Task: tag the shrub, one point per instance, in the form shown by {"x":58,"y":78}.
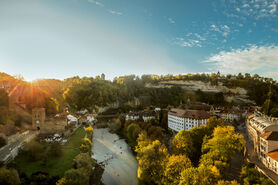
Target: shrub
{"x":9,"y":177}
{"x":35,"y":150}
{"x":89,"y":131}
{"x":55,"y":150}
{"x":3,"y":140}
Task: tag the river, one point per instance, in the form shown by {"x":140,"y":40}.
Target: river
{"x":120,"y":163}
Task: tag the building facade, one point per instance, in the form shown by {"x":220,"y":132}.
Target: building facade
{"x":38,"y":117}
{"x":256,"y":125}
{"x":269,"y":150}
{"x":133,"y":116}
{"x":180,"y":119}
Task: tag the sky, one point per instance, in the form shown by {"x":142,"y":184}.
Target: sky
{"x":64,"y":38}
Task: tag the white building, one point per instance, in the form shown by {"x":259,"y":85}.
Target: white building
{"x":90,"y":118}
{"x":148,"y":115}
{"x":269,"y":150}
{"x":179,"y":119}
{"x":256,"y":125}
{"x":133,"y":116}
{"x":72,"y":119}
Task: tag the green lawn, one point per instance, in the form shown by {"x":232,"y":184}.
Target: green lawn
{"x":53,"y":166}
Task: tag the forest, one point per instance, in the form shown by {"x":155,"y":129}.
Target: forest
{"x":93,"y":92}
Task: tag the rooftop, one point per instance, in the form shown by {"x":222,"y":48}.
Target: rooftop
{"x":273,"y":155}
{"x":272,"y":136}
{"x":193,"y":114}
{"x":260,"y":122}
{"x":38,"y":109}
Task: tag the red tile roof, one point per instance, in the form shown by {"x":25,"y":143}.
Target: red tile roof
{"x":272,"y":136}
{"x":273,"y":155}
{"x":193,"y":114}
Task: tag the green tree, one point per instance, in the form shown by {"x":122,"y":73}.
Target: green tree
{"x":115,"y":125}
{"x":3,"y":140}
{"x":4,"y":98}
{"x":249,"y":175}
{"x":55,"y":150}
{"x":266,"y":106}
{"x":214,"y":122}
{"x":133,"y":131}
{"x":9,"y":177}
{"x":84,"y":162}
{"x":36,"y":150}
{"x":86,"y":146}
{"x":76,"y":177}
{"x":197,"y":134}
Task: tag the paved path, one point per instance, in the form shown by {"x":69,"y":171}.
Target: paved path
{"x":9,"y":151}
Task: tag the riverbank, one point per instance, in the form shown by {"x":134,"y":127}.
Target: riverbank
{"x":113,"y":152}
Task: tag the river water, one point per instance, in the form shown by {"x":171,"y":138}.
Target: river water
{"x":120,"y":163}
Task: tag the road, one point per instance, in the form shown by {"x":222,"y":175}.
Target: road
{"x":9,"y":151}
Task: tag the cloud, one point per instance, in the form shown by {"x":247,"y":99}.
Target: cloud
{"x":171,"y":21}
{"x":96,"y":2}
{"x":223,"y":29}
{"x":187,"y":43}
{"x":273,"y":74}
{"x":250,"y":59}
{"x":199,"y":36}
{"x":255,"y":8}
{"x":273,"y":8}
{"x":190,"y":40}
{"x":102,"y":5}
{"x":115,"y":12}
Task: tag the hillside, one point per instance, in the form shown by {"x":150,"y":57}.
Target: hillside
{"x":235,"y":94}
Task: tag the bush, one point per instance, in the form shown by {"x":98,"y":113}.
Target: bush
{"x":86,"y":146}
{"x":115,"y":125}
{"x":9,"y":177}
{"x":133,"y":131}
{"x":84,"y":162}
{"x":55,"y":150}
{"x":249,"y":175}
{"x":3,"y":140}
{"x":18,"y":122}
{"x":89,"y":131}
{"x":35,"y":150}
{"x":76,"y":177}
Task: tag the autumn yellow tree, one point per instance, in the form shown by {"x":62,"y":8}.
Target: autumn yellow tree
{"x":182,"y":144}
{"x":175,"y":165}
{"x":152,"y":159}
{"x":89,"y":132}
{"x":206,"y":175}
{"x":222,"y":182}
{"x":221,"y":148}
{"x":86,"y":146}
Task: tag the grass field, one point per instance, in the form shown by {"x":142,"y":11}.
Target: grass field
{"x":53,"y":166}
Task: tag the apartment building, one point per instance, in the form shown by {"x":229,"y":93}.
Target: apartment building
{"x":258,"y":124}
{"x":179,"y":119}
{"x":269,"y":150}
